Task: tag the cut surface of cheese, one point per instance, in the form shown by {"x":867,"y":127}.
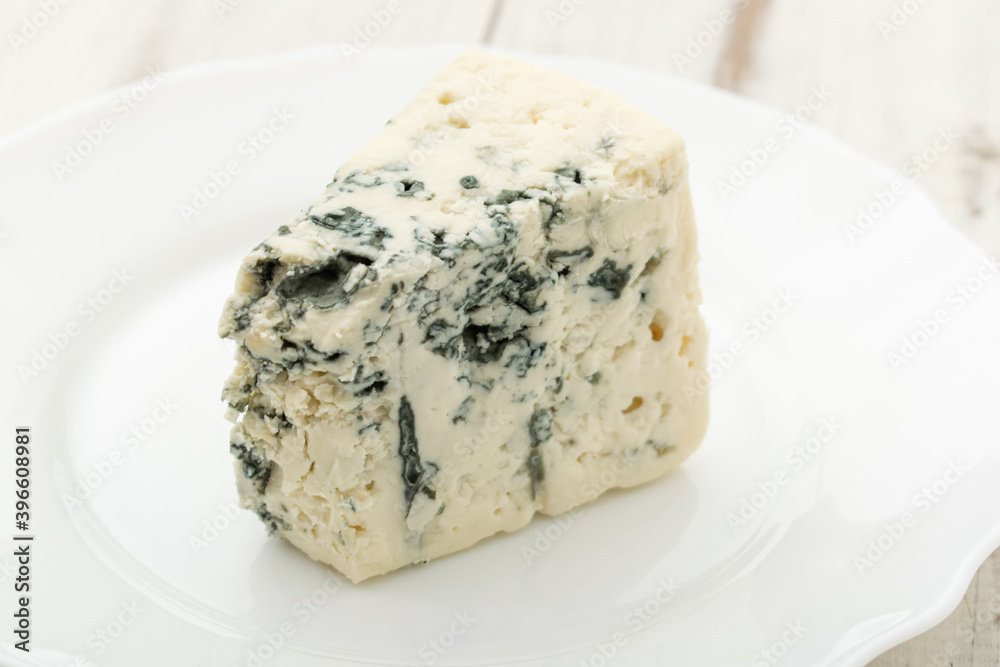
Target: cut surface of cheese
{"x":492,"y":311}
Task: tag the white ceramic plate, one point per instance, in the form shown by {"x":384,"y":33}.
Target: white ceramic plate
{"x":149,"y":563}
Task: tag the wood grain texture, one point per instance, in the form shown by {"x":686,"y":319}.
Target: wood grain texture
{"x":647,"y":34}
{"x":969,"y":637}
{"x":898,"y":81}
{"x":895,"y":87}
{"x":90,"y":46}
{"x":740,"y":54}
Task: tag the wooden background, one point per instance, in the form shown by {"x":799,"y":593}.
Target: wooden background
{"x":901,"y":72}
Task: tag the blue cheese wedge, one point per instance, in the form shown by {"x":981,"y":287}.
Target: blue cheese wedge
{"x":492,"y":311}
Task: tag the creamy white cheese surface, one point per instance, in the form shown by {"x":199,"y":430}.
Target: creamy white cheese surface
{"x":492,"y":311}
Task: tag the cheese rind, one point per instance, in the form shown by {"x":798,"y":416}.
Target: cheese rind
{"x":491,"y":312}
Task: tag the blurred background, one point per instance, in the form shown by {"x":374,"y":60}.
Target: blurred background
{"x":912,"y":83}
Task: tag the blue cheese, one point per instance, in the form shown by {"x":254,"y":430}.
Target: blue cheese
{"x":492,"y":311}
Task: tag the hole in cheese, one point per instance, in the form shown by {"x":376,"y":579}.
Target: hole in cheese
{"x":635,"y":405}
{"x":656,"y":330}
{"x":682,"y":352}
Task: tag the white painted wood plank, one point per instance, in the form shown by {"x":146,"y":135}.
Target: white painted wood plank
{"x":897,"y":89}
{"x":88,"y":47}
{"x":893,"y":94}
{"x":264,"y":26}
{"x":49,"y":62}
{"x":650,"y":33}
{"x":969,"y":637}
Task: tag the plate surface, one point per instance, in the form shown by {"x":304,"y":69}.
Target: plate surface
{"x":843,"y":497}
